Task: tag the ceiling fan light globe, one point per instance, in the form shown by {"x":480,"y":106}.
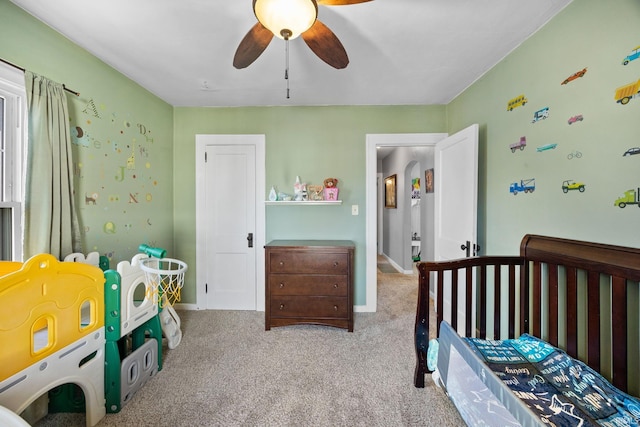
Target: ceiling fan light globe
{"x":296,"y":16}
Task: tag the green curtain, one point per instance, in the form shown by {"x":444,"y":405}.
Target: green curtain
{"x":51,"y":221}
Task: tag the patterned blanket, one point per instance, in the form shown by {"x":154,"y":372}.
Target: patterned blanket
{"x":561,"y":390}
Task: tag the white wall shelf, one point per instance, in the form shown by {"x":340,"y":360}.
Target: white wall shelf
{"x":303,"y":203}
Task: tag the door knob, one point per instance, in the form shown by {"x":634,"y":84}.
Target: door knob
{"x":466,"y":248}
{"x":250,"y":240}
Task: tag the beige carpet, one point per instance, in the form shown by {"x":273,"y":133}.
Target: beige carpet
{"x":229,"y":371}
{"x":386,"y":268}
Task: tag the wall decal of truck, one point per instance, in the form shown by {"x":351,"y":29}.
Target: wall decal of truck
{"x":525,"y":186}
{"x":630,"y":197}
{"x":626,"y":93}
{"x":635,"y":54}
{"x":519,"y":145}
{"x":540,"y":114}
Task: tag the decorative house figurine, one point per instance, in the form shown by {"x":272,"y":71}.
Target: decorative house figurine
{"x":331,"y":189}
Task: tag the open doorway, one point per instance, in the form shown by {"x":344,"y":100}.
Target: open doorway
{"x":372,"y":142}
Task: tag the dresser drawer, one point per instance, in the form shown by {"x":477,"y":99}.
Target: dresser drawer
{"x":309,"y":307}
{"x":308,"y":284}
{"x":308,"y":262}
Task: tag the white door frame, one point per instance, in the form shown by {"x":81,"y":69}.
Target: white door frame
{"x":259,"y":142}
{"x":371,"y":169}
{"x":379,"y":211}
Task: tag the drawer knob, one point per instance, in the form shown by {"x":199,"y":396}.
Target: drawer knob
{"x":335,"y":285}
{"x":335,"y":264}
{"x":281,"y":285}
{"x":335,"y":308}
{"x":281,"y":306}
{"x":281,"y":263}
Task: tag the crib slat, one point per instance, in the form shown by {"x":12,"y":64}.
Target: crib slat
{"x":552,"y":272}
{"x":422,"y":326}
{"x":525,"y":326}
{"x":512,"y":301}
{"x":619,"y":333}
{"x":593,"y":322}
{"x":537,"y":285}
{"x":468,"y":301}
{"x":496,"y":302}
{"x":440,"y":297}
{"x":572,"y":312}
{"x":483,"y":301}
{"x":454,"y":299}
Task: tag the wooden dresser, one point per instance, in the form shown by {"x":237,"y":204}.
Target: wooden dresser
{"x":309,"y":281}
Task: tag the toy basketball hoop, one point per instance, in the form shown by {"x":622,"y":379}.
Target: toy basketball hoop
{"x":164,"y":277}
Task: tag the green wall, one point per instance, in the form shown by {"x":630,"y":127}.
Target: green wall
{"x":132,"y":149}
{"x":596,"y":34}
{"x":312,"y":142}
{"x":122,"y":136}
{"x":136,"y":199}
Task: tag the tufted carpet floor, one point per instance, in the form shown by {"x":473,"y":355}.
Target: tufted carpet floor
{"x":229,"y":371}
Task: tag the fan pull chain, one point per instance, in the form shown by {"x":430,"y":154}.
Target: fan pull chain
{"x":286,"y":69}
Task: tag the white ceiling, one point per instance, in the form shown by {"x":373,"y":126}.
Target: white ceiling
{"x":401,"y":52}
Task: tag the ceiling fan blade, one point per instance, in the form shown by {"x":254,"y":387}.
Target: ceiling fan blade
{"x":340,"y":2}
{"x":252,"y":45}
{"x":326,"y":45}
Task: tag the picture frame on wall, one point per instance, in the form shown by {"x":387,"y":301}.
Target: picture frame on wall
{"x":415,"y":188}
{"x":428,"y":181}
{"x":390,"y":192}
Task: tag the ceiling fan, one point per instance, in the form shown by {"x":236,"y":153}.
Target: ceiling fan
{"x":287,"y":19}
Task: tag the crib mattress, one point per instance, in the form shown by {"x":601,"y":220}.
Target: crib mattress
{"x":527,"y":382}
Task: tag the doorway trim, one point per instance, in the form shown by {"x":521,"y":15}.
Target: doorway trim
{"x":371,"y":221}
{"x":259,"y":142}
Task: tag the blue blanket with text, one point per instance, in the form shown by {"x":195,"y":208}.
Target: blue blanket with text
{"x":561,"y":390}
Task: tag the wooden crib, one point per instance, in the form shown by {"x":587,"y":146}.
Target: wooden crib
{"x":582,"y":297}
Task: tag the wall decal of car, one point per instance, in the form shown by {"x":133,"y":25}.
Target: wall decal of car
{"x":570,"y":184}
{"x":635,"y":54}
{"x":546,"y":147}
{"x":574,"y":76}
{"x":631,"y":151}
{"x":575,"y":119}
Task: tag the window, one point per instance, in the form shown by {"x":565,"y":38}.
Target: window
{"x":12,"y":146}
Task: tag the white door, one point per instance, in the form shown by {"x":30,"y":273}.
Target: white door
{"x":456,"y":201}
{"x":231,"y":229}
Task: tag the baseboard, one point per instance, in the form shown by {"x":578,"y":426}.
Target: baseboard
{"x":193,"y":307}
{"x":185,"y":307}
{"x":397,"y":266}
{"x":362,"y":309}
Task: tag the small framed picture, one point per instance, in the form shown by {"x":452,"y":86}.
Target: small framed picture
{"x":390,"y":192}
{"x":428,"y":181}
{"x":415,"y":188}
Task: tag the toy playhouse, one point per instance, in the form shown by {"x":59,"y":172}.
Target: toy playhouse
{"x":88,"y":338}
